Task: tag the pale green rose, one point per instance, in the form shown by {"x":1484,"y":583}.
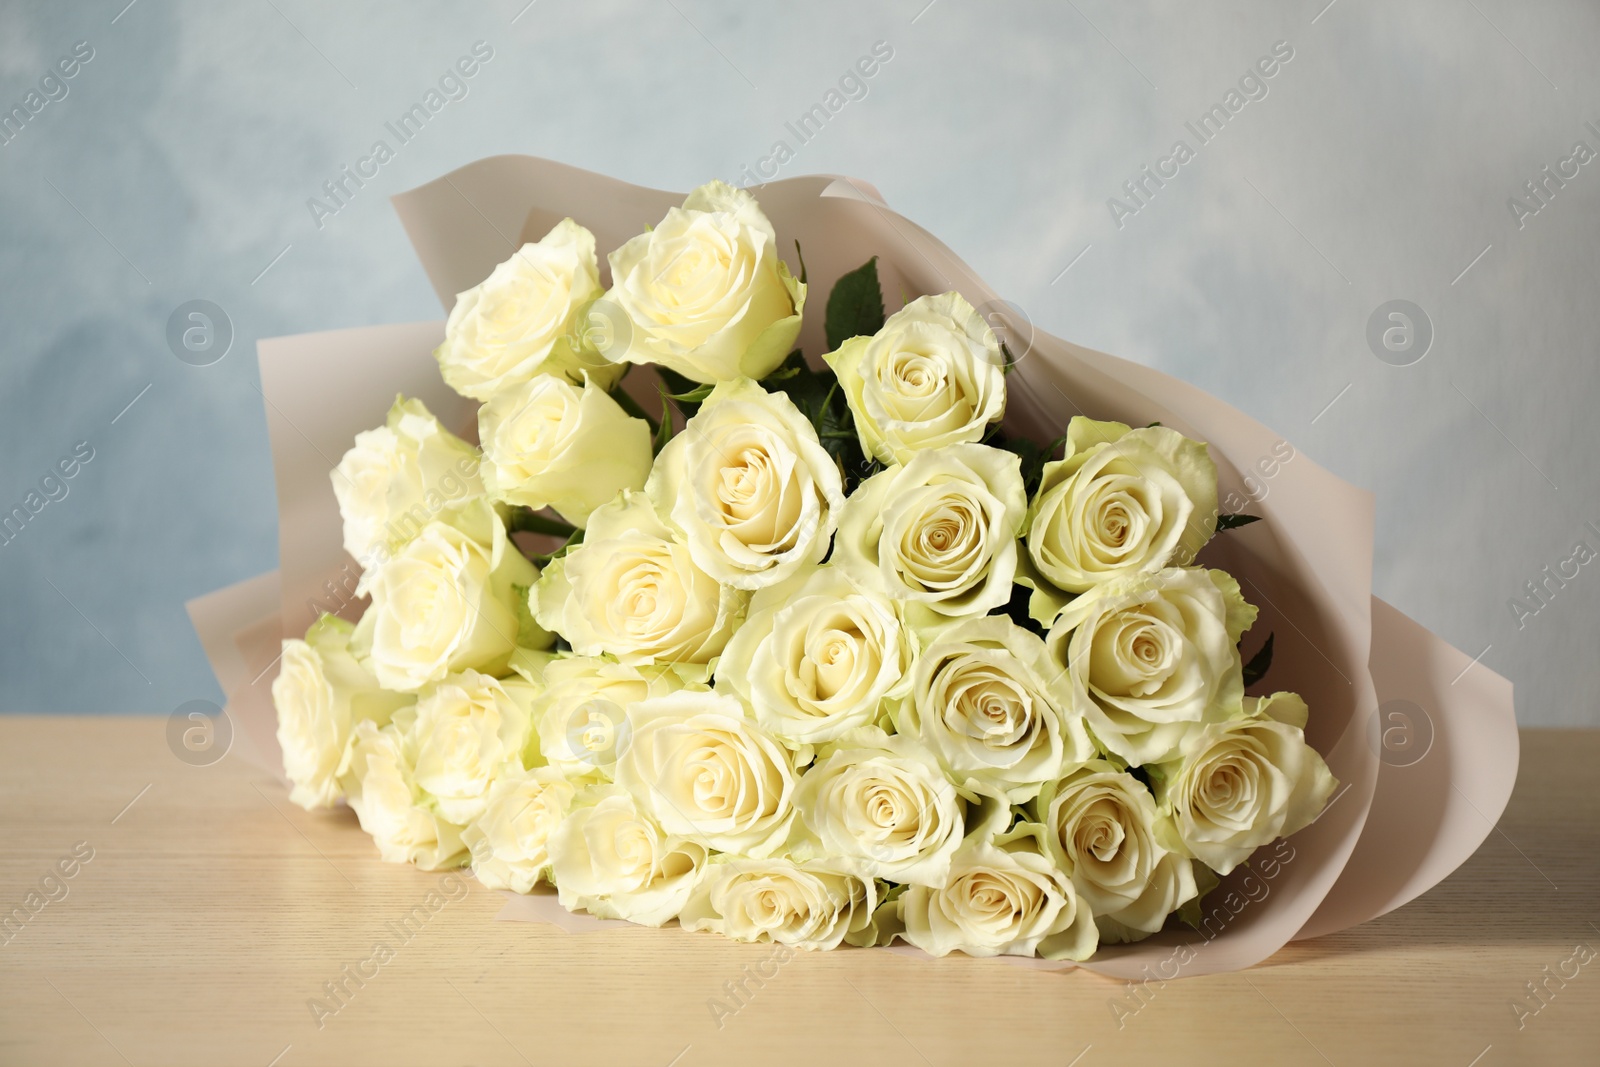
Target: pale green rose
{"x":381,"y":788}
{"x":525,"y":319}
{"x":1152,"y":657}
{"x":398,"y":478}
{"x":932,"y":376}
{"x":705,"y":293}
{"x":807,"y":905}
{"x":750,"y":487}
{"x":1241,"y":783}
{"x":818,"y":658}
{"x":510,"y":841}
{"x":1003,"y":897}
{"x":581,"y":717}
{"x":994,"y":711}
{"x":548,"y":443}
{"x":631,"y":590}
{"x":610,"y":859}
{"x":705,"y":772}
{"x":938,"y":534}
{"x":448,"y":602}
{"x":877,"y":806}
{"x":467,"y":729}
{"x":1122,"y":502}
{"x":1103,"y":829}
{"x":321,"y":693}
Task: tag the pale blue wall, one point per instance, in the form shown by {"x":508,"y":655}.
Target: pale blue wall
{"x":1378,"y":165}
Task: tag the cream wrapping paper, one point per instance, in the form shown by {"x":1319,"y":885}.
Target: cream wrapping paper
{"x":1393,"y":829}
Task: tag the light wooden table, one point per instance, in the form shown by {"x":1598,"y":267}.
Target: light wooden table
{"x":212,"y":911}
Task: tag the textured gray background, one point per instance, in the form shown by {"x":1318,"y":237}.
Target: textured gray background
{"x":1378,"y":167}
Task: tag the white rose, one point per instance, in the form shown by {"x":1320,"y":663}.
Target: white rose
{"x":581,"y":717}
{"x":547,"y":443}
{"x":397,"y":479}
{"x":1004,"y":897}
{"x":509,"y":842}
{"x":468,"y":727}
{"x":1101,"y":828}
{"x":1152,"y":657}
{"x":1242,"y":783}
{"x":988,"y":703}
{"x":321,"y":692}
{"x":808,"y":905}
{"x":704,"y":293}
{"x":704,"y":772}
{"x":382,"y":791}
{"x":524,"y":319}
{"x":1121,"y":502}
{"x":932,"y":376}
{"x":748,"y":483}
{"x":611,"y":860}
{"x":939,"y":532}
{"x":878,"y":807}
{"x":632,"y":591}
{"x":818,"y":659}
{"x":446,"y":603}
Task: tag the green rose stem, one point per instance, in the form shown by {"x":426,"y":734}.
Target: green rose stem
{"x":631,"y":406}
{"x":526,"y":520}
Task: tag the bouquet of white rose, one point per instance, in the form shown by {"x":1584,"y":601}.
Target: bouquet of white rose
{"x":819,"y":654}
{"x":939,"y":635}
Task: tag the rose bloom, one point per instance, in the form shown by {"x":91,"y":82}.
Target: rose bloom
{"x":704,"y":293}
{"x":581,"y":714}
{"x":933,"y":376}
{"x":381,"y":789}
{"x":808,"y":905}
{"x":1121,"y":502}
{"x":446,"y":602}
{"x":509,"y":841}
{"x":1003,"y":898}
{"x":633,"y":592}
{"x":1102,"y":828}
{"x":878,"y":807}
{"x":398,"y":478}
{"x":988,"y":703}
{"x":1152,"y":657}
{"x":940,"y":532}
{"x":704,"y":772}
{"x":525,"y":319}
{"x":818,"y":658}
{"x":1242,"y":783}
{"x":750,"y":486}
{"x":320,"y":693}
{"x":611,"y":860}
{"x":547,"y":443}
{"x":467,"y":728}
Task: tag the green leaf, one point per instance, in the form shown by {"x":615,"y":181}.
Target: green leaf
{"x":1230,"y":522}
{"x":697,"y":395}
{"x":1256,"y":669}
{"x":664,"y":428}
{"x":855,"y":307}
{"x":676,"y":385}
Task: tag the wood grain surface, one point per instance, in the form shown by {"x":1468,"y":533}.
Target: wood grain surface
{"x":212,"y":913}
